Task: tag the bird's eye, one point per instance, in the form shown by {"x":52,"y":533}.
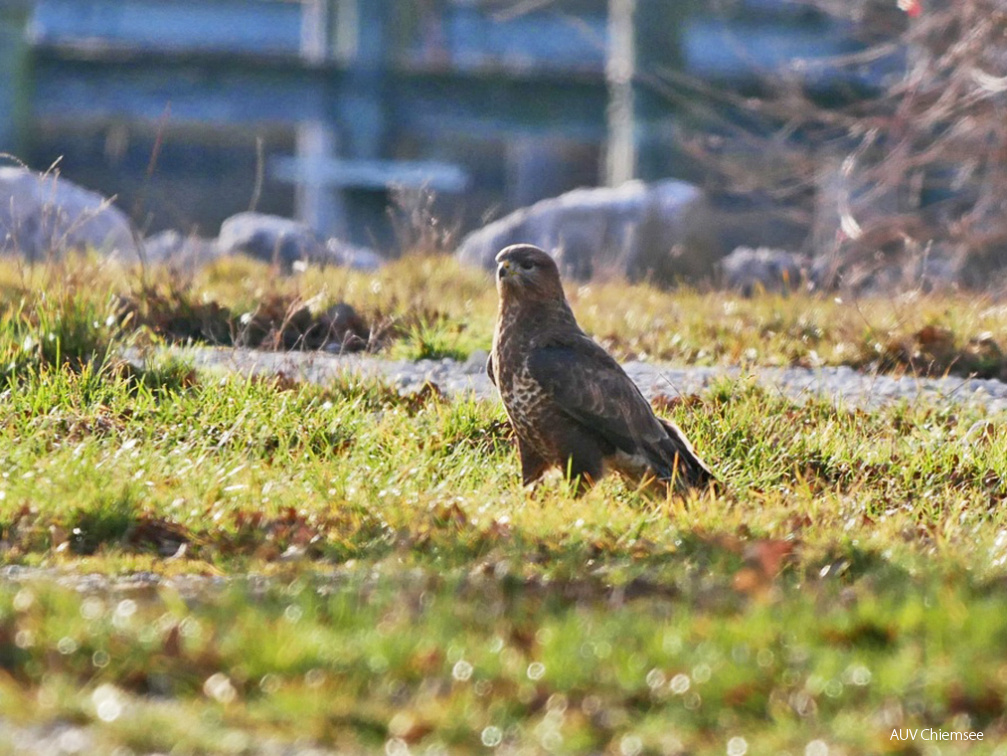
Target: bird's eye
{"x":527,"y":265}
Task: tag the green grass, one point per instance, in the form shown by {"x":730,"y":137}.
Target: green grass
{"x":389,"y":584}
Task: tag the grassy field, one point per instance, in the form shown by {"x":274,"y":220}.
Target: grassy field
{"x":377,"y":580}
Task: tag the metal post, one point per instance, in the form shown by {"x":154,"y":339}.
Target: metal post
{"x":14,"y":96}
{"x":315,"y":30}
{"x":317,"y":204}
{"x":620,"y":68}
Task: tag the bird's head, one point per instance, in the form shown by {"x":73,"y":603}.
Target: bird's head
{"x":525,"y":271}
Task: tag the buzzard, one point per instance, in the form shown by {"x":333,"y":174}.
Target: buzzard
{"x":571,"y":405}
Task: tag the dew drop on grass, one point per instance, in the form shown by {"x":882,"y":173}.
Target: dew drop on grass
{"x":737,"y":746}
{"x":551,"y":740}
{"x":66,"y":645}
{"x":765,"y":658}
{"x":591,"y":705}
{"x":630,"y":745}
{"x":680,"y":684}
{"x":107,"y":702}
{"x":655,"y":679}
{"x":100,"y":659}
{"x":536,"y":670}
{"x":24,"y":639}
{"x":701,"y":673}
{"x":817,"y":748}
{"x":857,"y":674}
{"x":23,"y":600}
{"x":492,"y":736}
{"x":218,"y":687}
{"x":462,"y":670}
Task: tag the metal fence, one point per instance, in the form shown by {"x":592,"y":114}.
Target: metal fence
{"x":187,"y":109}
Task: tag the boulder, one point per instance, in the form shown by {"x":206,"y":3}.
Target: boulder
{"x":270,"y":238}
{"x":663,"y":232}
{"x":178,"y":250}
{"x":44,"y":215}
{"x":289,"y":243}
{"x":751,"y":270}
{"x":350,"y":256}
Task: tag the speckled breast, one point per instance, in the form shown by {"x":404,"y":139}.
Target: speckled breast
{"x":527,"y":406}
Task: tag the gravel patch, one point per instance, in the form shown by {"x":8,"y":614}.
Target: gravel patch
{"x":843,"y":385}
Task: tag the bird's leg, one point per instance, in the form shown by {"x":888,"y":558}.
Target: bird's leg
{"x":533,"y":465}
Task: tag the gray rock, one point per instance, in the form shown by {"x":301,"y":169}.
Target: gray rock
{"x":662,"y":231}
{"x":271,"y":238}
{"x":178,"y":250}
{"x":289,"y":243}
{"x":350,"y":256}
{"x":44,"y":215}
{"x":771,"y":270}
{"x":345,"y":330}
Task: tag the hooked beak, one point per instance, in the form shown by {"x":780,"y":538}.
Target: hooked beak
{"x":504,"y":270}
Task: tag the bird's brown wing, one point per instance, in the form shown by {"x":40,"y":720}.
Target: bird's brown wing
{"x":590,"y":387}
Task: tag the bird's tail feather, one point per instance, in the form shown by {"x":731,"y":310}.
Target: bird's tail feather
{"x":683,"y":464}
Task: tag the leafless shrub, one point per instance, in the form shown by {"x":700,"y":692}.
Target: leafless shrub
{"x":886,"y":154}
{"x":416,"y":224}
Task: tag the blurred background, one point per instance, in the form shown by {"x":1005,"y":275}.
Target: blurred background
{"x":189,"y":111}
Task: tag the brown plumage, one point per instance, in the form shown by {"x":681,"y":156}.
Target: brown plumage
{"x":572,"y":406}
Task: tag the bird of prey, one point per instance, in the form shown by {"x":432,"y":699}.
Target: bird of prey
{"x":571,"y":405}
